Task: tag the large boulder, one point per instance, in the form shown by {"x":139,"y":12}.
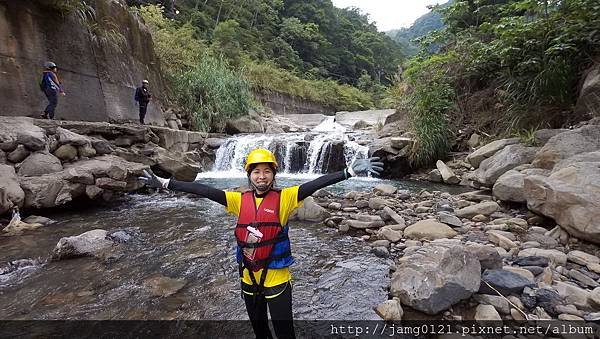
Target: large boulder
{"x":488,"y":150}
{"x":64,"y":136}
{"x":39,"y":163}
{"x":508,"y":158}
{"x":509,"y":187}
{"x":436,"y":277}
{"x":180,"y":141}
{"x":244,"y":124}
{"x":310,"y":211}
{"x":21,"y":130}
{"x":49,"y":191}
{"x":567,"y":144}
{"x":11,"y":194}
{"x":86,"y":244}
{"x":571,"y":196}
{"x":178,"y":165}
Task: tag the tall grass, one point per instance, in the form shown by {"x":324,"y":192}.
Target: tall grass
{"x":429,"y":96}
{"x":212,"y":93}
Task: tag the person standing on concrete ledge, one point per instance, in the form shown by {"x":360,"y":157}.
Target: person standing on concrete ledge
{"x":143,"y":97}
{"x":51,"y":87}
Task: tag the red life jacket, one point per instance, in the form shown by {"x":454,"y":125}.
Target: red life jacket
{"x":264,"y":218}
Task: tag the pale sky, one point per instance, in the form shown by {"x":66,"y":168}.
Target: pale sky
{"x":390,"y":14}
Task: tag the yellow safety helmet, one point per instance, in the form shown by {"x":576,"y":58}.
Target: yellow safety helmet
{"x":260,"y":155}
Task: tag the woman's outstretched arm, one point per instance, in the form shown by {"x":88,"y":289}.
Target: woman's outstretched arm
{"x":371,"y":165}
{"x":202,"y":190}
{"x":308,"y":188}
{"x":205,"y":191}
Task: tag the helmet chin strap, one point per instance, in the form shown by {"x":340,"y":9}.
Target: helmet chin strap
{"x":262,"y":188}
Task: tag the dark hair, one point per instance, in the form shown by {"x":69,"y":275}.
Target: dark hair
{"x":253,"y":166}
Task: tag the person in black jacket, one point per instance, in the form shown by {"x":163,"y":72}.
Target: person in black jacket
{"x":143,"y":97}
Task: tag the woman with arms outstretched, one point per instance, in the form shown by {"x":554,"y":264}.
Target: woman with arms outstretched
{"x":263,"y":252}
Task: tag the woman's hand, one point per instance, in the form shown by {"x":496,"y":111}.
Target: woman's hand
{"x":363,"y":166}
{"x":152,"y":180}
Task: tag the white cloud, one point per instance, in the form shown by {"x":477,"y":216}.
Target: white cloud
{"x":390,"y":14}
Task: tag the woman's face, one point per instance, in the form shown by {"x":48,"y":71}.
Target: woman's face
{"x":262,"y":177}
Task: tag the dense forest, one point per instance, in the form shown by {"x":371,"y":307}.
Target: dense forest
{"x":307,"y":49}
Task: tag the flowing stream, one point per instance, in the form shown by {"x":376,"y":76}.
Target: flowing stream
{"x":190,"y":240}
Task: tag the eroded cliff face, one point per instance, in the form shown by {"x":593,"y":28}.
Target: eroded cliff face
{"x":99,"y":74}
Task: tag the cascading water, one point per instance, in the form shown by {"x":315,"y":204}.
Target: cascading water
{"x":327,"y":148}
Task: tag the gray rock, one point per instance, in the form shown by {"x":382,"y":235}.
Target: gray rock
{"x":488,"y":257}
{"x":509,"y":187}
{"x":35,"y":219}
{"x":93,"y":192}
{"x":102,"y":146}
{"x":571,"y":196}
{"x":535,"y":270}
{"x":39,"y":164}
{"x":582,"y":258}
{"x":449,"y":219}
{"x":19,"y":154}
{"x":583,"y":279}
{"x":86,"y":151}
{"x":429,"y":229}
{"x":447,"y":174}
{"x":66,"y":152}
{"x":363,"y":224}
{"x":394,"y":216}
{"x":381,"y":252}
{"x":311,"y":211}
{"x":595,"y":298}
{"x":488,"y":150}
{"x":436,"y":277}
{"x":390,"y":310}
{"x":486,"y":313}
{"x":504,"y":281}
{"x":484,"y":208}
{"x":90,"y":243}
{"x":510,"y":157}
{"x":378,"y":203}
{"x":389,"y":234}
{"x":11,"y":193}
{"x":163,"y":286}
{"x":474,"y":140}
{"x":385,"y":189}
{"x":477,"y":196}
{"x":566,"y":145}
{"x":543,"y":135}
{"x":499,"y":303}
{"x":435,"y":176}
{"x":65,"y":136}
{"x":571,"y":294}
{"x":532,"y":261}
{"x":559,"y":258}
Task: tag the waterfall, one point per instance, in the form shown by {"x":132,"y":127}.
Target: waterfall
{"x":328,"y":148}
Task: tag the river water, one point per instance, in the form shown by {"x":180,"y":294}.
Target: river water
{"x":190,"y":240}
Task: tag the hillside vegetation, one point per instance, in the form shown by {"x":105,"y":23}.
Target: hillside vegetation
{"x":311,"y":50}
{"x":504,"y":67}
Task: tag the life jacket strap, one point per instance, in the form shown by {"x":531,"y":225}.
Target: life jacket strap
{"x":279,"y":238}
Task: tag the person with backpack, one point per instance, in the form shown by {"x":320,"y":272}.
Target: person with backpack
{"x":51,"y":87}
{"x":263,"y":247}
{"x":143,"y":97}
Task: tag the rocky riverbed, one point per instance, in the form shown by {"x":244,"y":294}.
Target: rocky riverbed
{"x":521,"y":246}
